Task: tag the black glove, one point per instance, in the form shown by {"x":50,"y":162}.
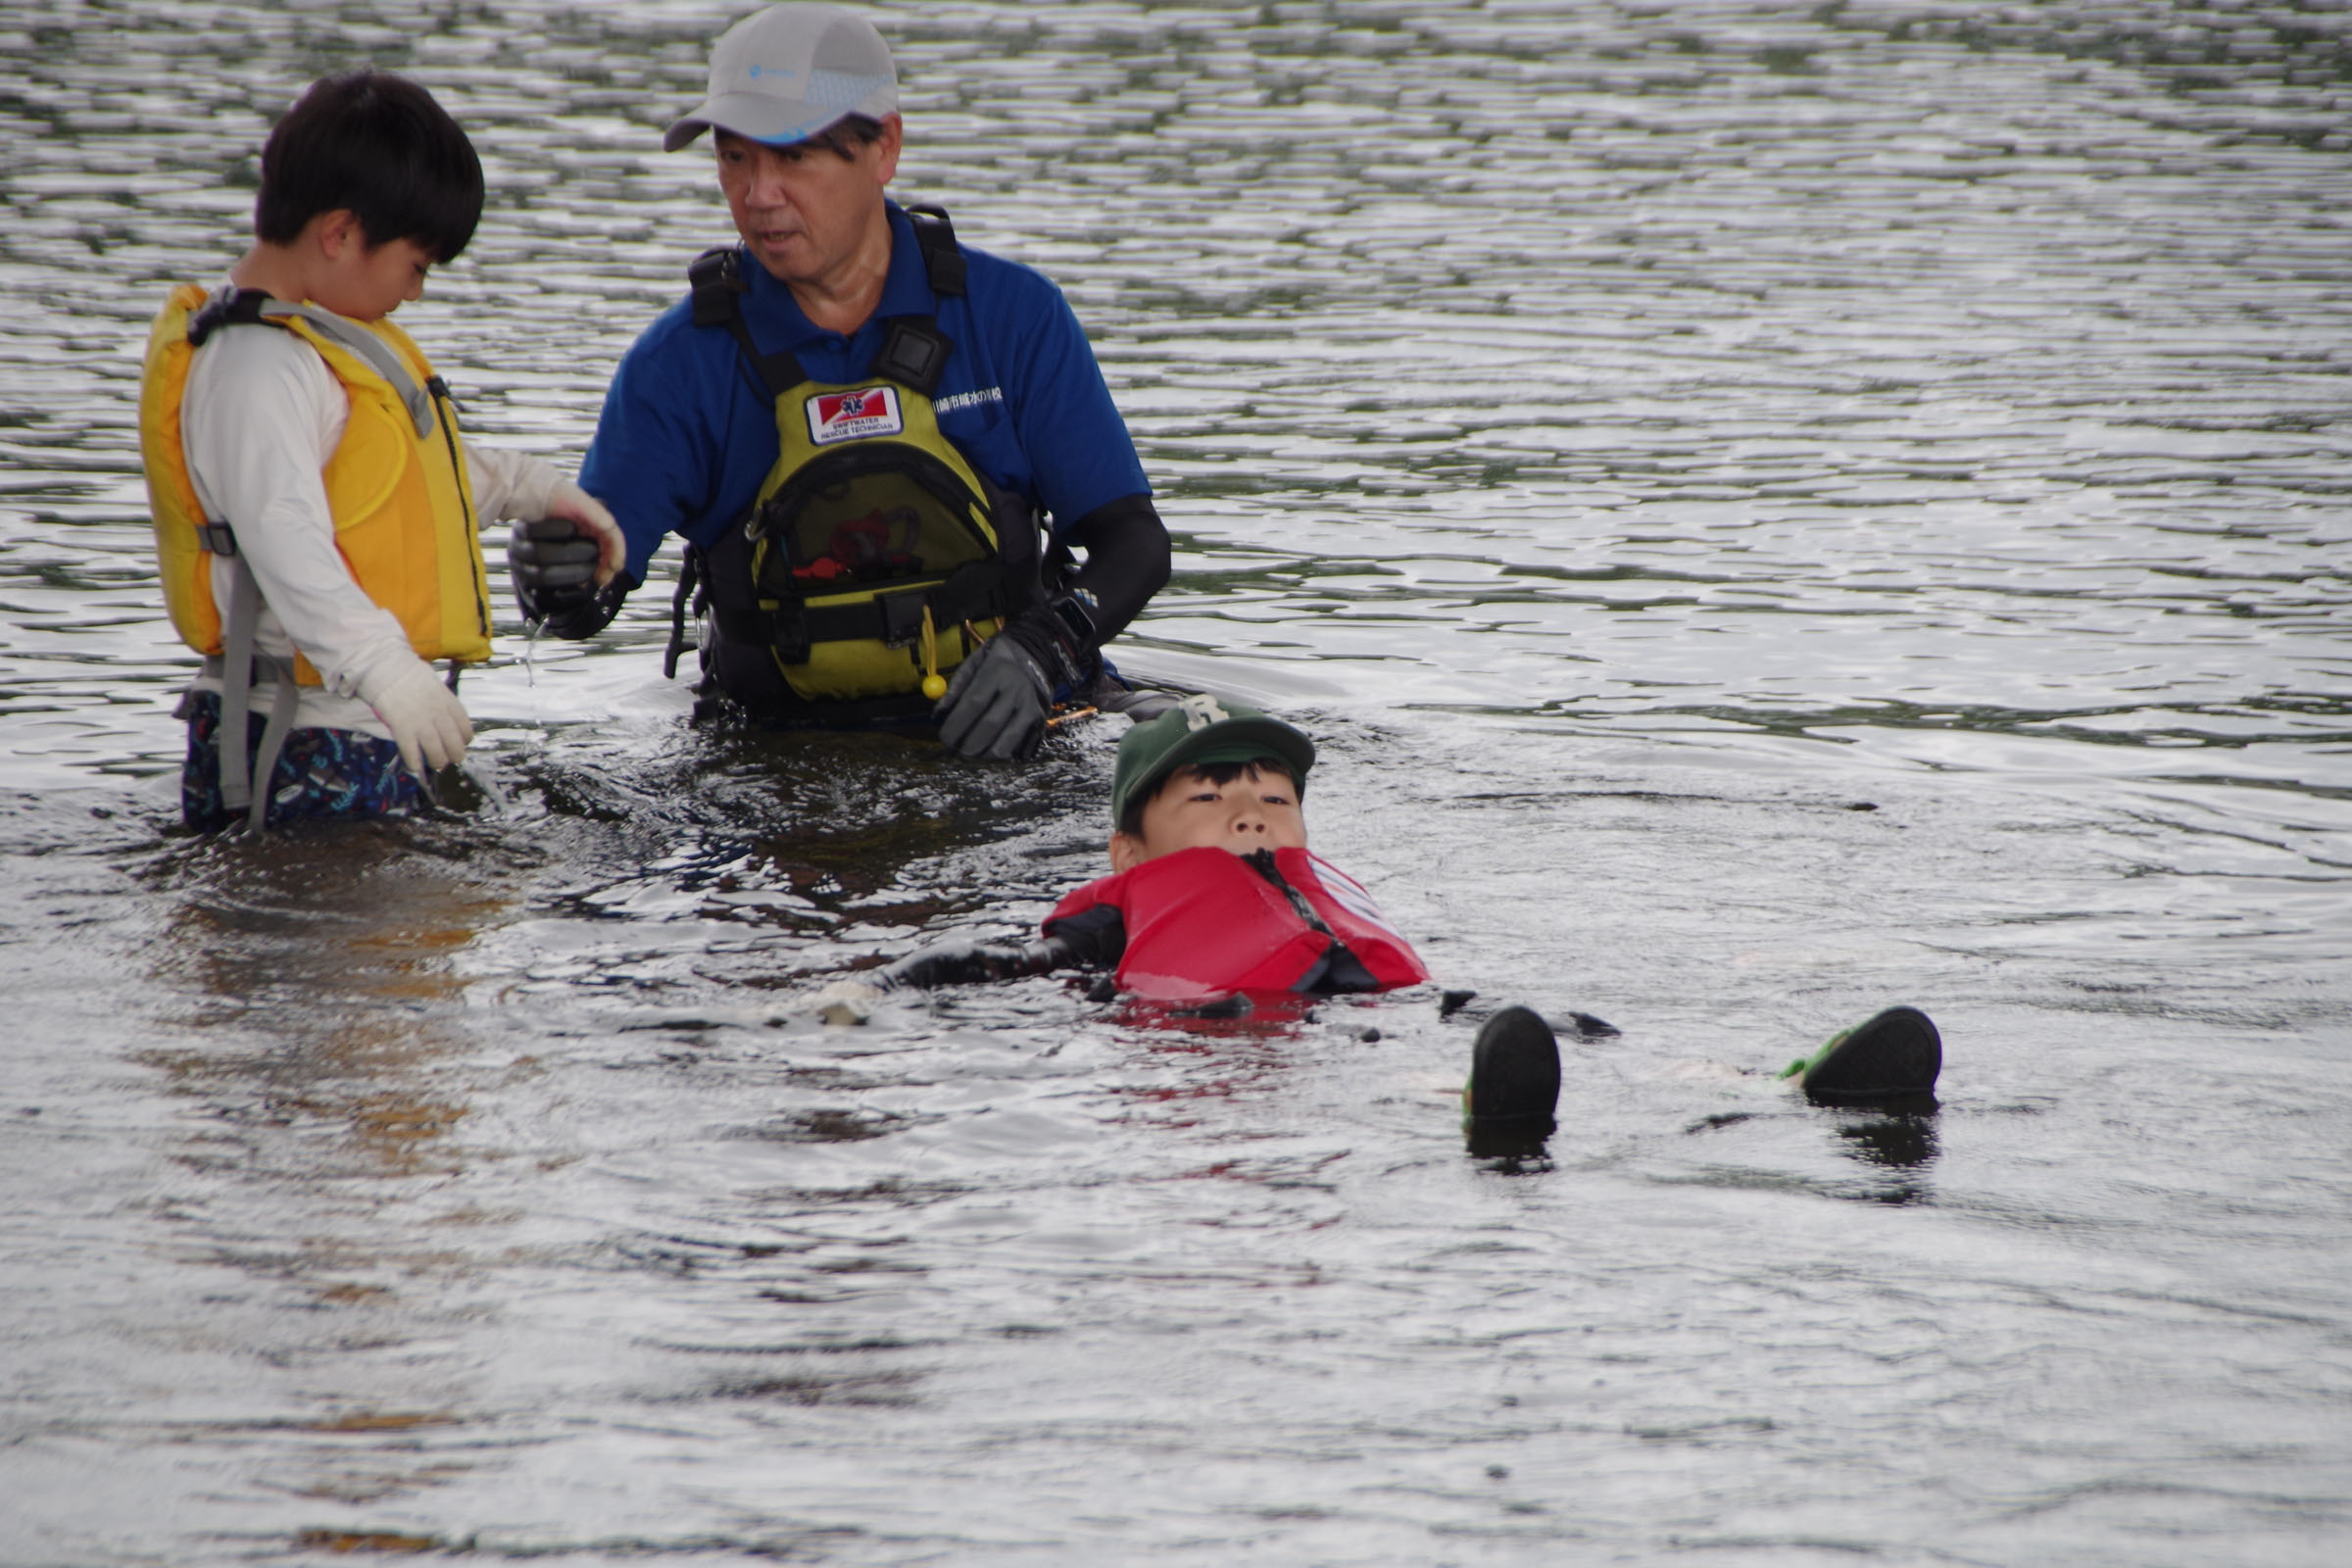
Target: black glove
{"x":553,"y":566}
{"x":996,"y":707}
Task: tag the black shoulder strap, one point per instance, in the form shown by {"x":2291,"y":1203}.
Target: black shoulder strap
{"x":715,"y":279}
{"x":943,"y":260}
{"x":915,"y":351}
{"x":239,"y":306}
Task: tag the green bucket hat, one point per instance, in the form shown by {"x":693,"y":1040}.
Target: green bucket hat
{"x":1198,"y":731}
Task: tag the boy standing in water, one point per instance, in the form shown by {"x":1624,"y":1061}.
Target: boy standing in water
{"x":316,"y":513}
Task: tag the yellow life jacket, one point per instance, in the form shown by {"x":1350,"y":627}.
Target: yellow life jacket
{"x":874,"y":556}
{"x":395,"y":484}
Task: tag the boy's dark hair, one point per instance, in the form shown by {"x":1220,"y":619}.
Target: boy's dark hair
{"x":379,"y":145}
{"x":1131,"y":821}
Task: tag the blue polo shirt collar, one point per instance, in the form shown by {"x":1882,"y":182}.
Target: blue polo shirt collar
{"x":905,"y":290}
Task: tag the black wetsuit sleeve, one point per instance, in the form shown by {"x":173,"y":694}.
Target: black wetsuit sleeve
{"x":1092,"y":939}
{"x":1127,"y":560}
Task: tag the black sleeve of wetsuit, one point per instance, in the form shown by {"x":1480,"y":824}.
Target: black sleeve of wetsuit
{"x":1094,"y":938}
{"x":1127,"y":558}
{"x":968,"y":963}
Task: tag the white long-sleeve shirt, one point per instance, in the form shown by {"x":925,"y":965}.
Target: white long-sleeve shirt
{"x":260,"y":417}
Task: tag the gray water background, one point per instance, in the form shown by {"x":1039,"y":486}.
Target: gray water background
{"x":1771,"y":510}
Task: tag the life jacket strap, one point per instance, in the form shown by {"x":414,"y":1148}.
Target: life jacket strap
{"x":914,"y":352}
{"x":715,"y":281}
{"x":244,"y":776}
{"x":690,"y":576}
{"x":239,"y":306}
{"x":250,"y":307}
{"x":935,"y":237}
{"x":977,"y":590}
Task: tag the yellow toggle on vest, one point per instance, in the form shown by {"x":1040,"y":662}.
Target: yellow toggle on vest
{"x":396,"y":483}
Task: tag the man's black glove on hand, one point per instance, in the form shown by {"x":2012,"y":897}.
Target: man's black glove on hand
{"x":553,"y":564}
{"x":996,"y":707}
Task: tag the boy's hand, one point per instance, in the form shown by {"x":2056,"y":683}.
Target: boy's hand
{"x":428,"y":722}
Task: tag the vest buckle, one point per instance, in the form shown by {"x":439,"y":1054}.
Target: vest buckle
{"x":914,"y":354}
{"x":715,"y":277}
{"x":787,"y":631}
{"x":902,"y":616}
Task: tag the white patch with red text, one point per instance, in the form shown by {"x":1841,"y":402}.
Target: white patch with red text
{"x":853,"y":414}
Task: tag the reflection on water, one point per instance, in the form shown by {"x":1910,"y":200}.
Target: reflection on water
{"x":1903,"y":1144}
{"x":1770,"y":510}
{"x":334,"y":952}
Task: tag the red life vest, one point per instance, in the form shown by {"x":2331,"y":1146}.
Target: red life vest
{"x":1208,"y":923}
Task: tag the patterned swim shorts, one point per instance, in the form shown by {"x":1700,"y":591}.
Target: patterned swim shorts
{"x":321,"y":775}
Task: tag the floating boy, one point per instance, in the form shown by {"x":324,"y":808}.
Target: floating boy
{"x":316,"y":511}
{"x":1214,"y":894}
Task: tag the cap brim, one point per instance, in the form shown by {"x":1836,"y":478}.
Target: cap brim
{"x":757,"y":116}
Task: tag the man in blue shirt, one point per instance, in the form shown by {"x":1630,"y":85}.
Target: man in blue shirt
{"x":836,"y":290}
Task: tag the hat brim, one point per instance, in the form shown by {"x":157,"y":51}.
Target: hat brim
{"x":776,"y":121}
{"x":1229,"y":740}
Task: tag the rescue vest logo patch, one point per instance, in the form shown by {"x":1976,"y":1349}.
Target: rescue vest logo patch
{"x":853,"y":414}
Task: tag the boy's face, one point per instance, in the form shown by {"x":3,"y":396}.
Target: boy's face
{"x":1258,"y":810}
{"x":366,"y":283}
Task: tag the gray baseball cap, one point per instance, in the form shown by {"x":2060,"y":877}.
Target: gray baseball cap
{"x":790,"y":72}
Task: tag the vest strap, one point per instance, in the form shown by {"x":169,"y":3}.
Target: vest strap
{"x":977,"y":590}
{"x":690,"y":575}
{"x":915,"y":351}
{"x":368,"y":346}
{"x":244,"y":776}
{"x":247,"y":307}
{"x":239,"y":306}
{"x":715,"y":279}
{"x":935,"y":237}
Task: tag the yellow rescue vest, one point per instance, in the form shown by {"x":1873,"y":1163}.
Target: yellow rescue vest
{"x":395,"y":484}
{"x":874,"y":556}
{"x":860,"y":542}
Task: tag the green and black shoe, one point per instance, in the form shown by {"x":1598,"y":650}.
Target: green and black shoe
{"x":1892,"y":1056}
{"x":1514,"y":1076}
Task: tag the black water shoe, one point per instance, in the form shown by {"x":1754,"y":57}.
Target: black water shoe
{"x":1514,"y":1075}
{"x":1895,"y":1055}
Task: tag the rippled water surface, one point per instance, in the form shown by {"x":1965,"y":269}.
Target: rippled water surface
{"x":1771,"y":508}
